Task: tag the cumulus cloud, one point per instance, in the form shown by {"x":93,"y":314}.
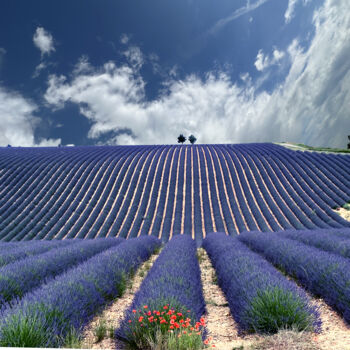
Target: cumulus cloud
{"x":311,"y":105}
{"x":18,"y":121}
{"x":263,"y":61}
{"x":43,"y":40}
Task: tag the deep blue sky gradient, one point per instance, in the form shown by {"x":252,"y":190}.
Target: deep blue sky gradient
{"x":176,"y":31}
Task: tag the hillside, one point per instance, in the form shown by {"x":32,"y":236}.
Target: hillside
{"x":127,"y":191}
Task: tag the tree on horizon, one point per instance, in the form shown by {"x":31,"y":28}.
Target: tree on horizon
{"x":181,"y":139}
{"x":192,"y":139}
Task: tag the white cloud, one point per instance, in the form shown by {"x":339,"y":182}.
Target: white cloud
{"x":263,"y":61}
{"x":134,"y":55}
{"x":83,"y":66}
{"x":124,"y":38}
{"x":277,"y":55}
{"x":38,"y":69}
{"x":311,"y":105}
{"x":289,"y":14}
{"x":43,"y":40}
{"x":18,"y":121}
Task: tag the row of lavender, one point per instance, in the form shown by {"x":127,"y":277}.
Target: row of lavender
{"x":169,"y":306}
{"x":128,"y":191}
{"x":318,"y":260}
{"x":260,"y":297}
{"x":59,"y":307}
{"x":170,"y":300}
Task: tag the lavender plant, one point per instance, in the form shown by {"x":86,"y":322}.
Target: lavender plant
{"x":23,"y":250}
{"x":171,"y":288}
{"x":48,"y":316}
{"x":20,"y":277}
{"x":324,"y":274}
{"x":261,"y":299}
{"x":330,"y":240}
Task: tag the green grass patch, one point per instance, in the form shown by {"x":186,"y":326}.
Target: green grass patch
{"x":275,"y":309}
{"x":100,"y":330}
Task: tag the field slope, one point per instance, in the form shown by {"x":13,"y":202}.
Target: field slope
{"x":128,"y":191}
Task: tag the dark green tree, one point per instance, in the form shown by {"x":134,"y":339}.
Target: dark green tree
{"x":192,"y":139}
{"x":181,"y":139}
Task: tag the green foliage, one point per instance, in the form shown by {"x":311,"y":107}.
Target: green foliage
{"x":186,"y":341}
{"x":324,"y":149}
{"x":100,"y":330}
{"x":73,"y":339}
{"x":273,"y":309}
{"x":122,"y":284}
{"x":21,"y":331}
{"x":214,"y":278}
{"x":111,"y":331}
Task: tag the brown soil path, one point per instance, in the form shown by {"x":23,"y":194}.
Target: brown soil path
{"x":335,"y":332}
{"x":114,"y":314}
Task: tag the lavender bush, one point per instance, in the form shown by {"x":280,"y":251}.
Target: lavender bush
{"x":330,"y":240}
{"x":261,"y":299}
{"x":47,"y":316}
{"x":20,"y":277}
{"x":324,"y":274}
{"x":23,"y":250}
{"x":173,"y":282}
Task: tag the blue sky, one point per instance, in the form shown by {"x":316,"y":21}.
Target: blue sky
{"x":142,"y":72}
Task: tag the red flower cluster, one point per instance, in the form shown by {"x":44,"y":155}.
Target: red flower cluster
{"x":168,"y":319}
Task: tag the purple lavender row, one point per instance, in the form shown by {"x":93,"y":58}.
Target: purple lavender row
{"x":294,"y":209}
{"x":160,"y":210}
{"x":49,"y":205}
{"x":260,"y":298}
{"x":18,"y":209}
{"x":24,"y":217}
{"x":322,"y":273}
{"x":123,"y":202}
{"x":174,"y":279}
{"x":315,"y":194}
{"x":331,"y":240}
{"x":67,"y":303}
{"x":20,"y":277}
{"x":23,"y":251}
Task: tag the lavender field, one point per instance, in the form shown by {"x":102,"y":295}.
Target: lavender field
{"x":130,"y":191}
{"x":78,"y":225}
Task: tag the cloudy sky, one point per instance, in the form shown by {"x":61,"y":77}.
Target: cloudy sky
{"x":89,"y":72}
